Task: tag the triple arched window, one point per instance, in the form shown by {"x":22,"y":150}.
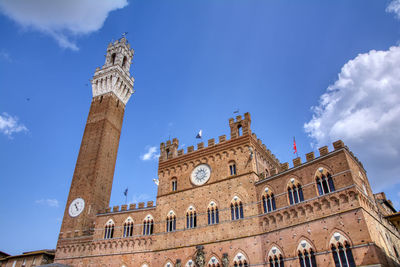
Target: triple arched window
{"x":171,"y":222}
{"x":109,"y":229}
{"x":128,"y":227}
{"x":148,"y":225}
{"x":275,"y":258}
{"x":341,"y":251}
{"x":236,"y":209}
{"x":240,"y":260}
{"x":268,"y":201}
{"x":212,"y":213}
{"x":191,"y":218}
{"x":324,"y":182}
{"x":213,"y":262}
{"x":295,"y":192}
{"x":306,"y":255}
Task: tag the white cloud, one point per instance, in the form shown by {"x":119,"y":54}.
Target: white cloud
{"x":61,"y":19}
{"x":394,"y":7}
{"x":10,"y":125}
{"x":150,"y":154}
{"x":363,"y":109}
{"x":48,"y":202}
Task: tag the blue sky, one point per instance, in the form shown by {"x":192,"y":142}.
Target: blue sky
{"x":195,"y":63}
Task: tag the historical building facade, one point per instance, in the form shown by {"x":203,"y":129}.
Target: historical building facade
{"x":227,"y":203}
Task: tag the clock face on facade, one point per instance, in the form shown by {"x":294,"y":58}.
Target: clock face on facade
{"x":200,"y":174}
{"x":76,"y":207}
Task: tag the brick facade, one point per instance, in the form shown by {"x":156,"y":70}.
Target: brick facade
{"x":345,"y":213}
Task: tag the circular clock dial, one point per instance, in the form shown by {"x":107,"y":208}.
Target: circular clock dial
{"x":200,"y":174}
{"x":76,"y":207}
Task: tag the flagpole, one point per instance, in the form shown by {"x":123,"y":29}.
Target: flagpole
{"x":295,"y":147}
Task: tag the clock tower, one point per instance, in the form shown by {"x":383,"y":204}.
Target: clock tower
{"x":90,"y":191}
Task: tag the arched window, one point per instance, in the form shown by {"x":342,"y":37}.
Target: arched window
{"x":124,"y":62}
{"x":190,"y":263}
{"x":236,"y":209}
{"x":144,"y":265}
{"x":240,"y":130}
{"x":174,"y":184}
{"x":232,"y":168}
{"x":295,"y":192}
{"x":212,"y":213}
{"x":113,"y":58}
{"x":148,"y":225}
{"x":240,"y":260}
{"x":169,"y":264}
{"x":341,"y":251}
{"x":306,"y":255}
{"x":109,"y":229}
{"x":324,"y":182}
{"x":171,"y":221}
{"x":191,"y":219}
{"x":128,"y":227}
{"x":213,"y":262}
{"x":268,"y":201}
{"x":275,"y":258}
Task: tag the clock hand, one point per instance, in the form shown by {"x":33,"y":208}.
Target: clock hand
{"x":76,"y":207}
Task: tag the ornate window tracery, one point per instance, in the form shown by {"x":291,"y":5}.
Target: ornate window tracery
{"x":295,"y":192}
{"x":128,"y":227}
{"x":306,"y":255}
{"x":212,"y":213}
{"x":109,"y":229}
{"x":191,"y":218}
{"x":236,"y":209}
{"x":275,"y":258}
{"x":268,"y":201}
{"x":190,"y":263}
{"x":171,"y":221}
{"x":341,"y":251}
{"x":324,"y":182}
{"x":148,"y":225}
{"x":213,"y":262}
{"x":240,"y":260}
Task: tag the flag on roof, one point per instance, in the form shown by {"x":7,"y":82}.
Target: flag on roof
{"x":199,"y":134}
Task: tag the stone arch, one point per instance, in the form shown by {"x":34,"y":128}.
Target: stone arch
{"x":168,"y":263}
{"x":190,"y":263}
{"x":240,"y":255}
{"x":273,"y":251}
{"x":307,"y":245}
{"x":214,"y":259}
{"x":338,"y":236}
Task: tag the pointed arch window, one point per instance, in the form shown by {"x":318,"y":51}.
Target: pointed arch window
{"x":240,"y":260}
{"x":341,"y":251}
{"x":124,"y":62}
{"x":148,"y":225}
{"x":236,"y":209}
{"x":268,"y":201}
{"x":191,"y":218}
{"x":190,"y":263}
{"x":232,"y":168}
{"x":324,"y":182}
{"x":171,"y":222}
{"x":169,"y":264}
{"x":306,"y":255}
{"x":212,"y":213}
{"x":275,"y":258}
{"x":128,"y":227}
{"x":213,"y":262}
{"x":109,"y":229}
{"x":295,"y":192}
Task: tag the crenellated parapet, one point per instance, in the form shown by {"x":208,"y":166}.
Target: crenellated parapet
{"x":130,"y":207}
{"x":114,"y":76}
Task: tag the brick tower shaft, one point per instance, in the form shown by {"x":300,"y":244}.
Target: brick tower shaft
{"x":94,"y":171}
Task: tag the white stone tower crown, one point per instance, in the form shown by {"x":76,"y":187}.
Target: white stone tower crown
{"x":114,"y":76}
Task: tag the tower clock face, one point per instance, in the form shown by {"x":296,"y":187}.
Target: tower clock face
{"x":201,"y":174}
{"x":76,"y":207}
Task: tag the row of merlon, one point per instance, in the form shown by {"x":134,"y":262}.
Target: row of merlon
{"x":141,"y":205}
